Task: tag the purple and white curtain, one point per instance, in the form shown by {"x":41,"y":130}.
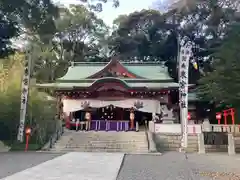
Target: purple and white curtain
{"x":144,"y":105}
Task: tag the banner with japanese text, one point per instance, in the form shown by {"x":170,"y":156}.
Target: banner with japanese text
{"x":185,"y":54}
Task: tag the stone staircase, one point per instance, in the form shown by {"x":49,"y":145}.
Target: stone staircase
{"x":127,"y":142}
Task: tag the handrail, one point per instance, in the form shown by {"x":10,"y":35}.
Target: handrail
{"x":53,"y":139}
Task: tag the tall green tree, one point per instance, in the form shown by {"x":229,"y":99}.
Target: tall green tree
{"x":148,"y":36}
{"x":80,"y":32}
{"x":98,"y":5}
{"x":22,"y":16}
{"x":80,"y":36}
{"x":222,"y":84}
{"x":151,"y":35}
{"x":8,"y":30}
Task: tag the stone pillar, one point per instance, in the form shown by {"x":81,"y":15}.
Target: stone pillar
{"x":137,"y":126}
{"x":151,"y":125}
{"x":231,"y":144}
{"x":201,"y":145}
{"x":152,"y":144}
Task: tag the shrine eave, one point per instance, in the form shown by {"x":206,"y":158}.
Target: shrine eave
{"x":74,"y":86}
{"x":128,"y":80}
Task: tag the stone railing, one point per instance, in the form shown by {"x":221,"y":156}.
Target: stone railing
{"x":230,"y":144}
{"x":192,"y":128}
{"x":53,"y":139}
{"x":221,"y":128}
{"x":231,"y":135}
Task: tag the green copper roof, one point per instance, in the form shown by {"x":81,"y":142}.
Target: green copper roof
{"x":81,"y":72}
{"x":144,"y":70}
{"x":149,"y":71}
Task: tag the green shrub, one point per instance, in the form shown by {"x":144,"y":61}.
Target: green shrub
{"x":40,"y":112}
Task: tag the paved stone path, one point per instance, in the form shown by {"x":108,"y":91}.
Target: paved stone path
{"x":104,"y":166}
{"x":75,"y":165}
{"x":12,"y":162}
{"x":175,"y":166}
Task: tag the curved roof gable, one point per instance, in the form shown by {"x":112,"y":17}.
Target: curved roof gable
{"x":114,"y":64}
{"x":141,"y":70}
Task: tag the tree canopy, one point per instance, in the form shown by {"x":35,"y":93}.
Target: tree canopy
{"x":79,"y":36}
{"x":222,"y":84}
{"x":34,"y":17}
{"x":98,"y":5}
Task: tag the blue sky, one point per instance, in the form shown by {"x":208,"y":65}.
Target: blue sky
{"x":109,"y":13}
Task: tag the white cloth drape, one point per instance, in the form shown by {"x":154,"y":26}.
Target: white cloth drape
{"x":150,"y":106}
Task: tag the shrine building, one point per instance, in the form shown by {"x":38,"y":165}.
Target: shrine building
{"x":116,"y":95}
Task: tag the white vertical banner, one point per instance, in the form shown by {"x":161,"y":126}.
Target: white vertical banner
{"x":185,"y":54}
{"x":24,"y":96}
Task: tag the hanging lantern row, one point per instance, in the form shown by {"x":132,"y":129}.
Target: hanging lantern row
{"x":75,"y":93}
{"x":152,"y":93}
{"x":86,"y":93}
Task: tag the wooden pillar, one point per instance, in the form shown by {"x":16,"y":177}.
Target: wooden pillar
{"x":132,"y":117}
{"x":233,"y":116}
{"x":225,"y":117}
{"x":122,"y":113}
{"x":68,"y":120}
{"x":88,"y":118}
{"x":169,"y":97}
{"x":59,"y":107}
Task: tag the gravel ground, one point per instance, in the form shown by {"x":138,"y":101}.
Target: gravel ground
{"x":12,"y":162}
{"x":175,"y":166}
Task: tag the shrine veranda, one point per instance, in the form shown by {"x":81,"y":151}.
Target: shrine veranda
{"x":117,"y":95}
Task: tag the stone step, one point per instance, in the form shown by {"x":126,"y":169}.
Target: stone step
{"x":90,"y":147}
{"x":119,"y":148}
{"x":102,"y":141}
{"x":116,"y":147}
{"x":103,"y":144}
{"x":100,"y":149}
{"x":109,"y":143}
